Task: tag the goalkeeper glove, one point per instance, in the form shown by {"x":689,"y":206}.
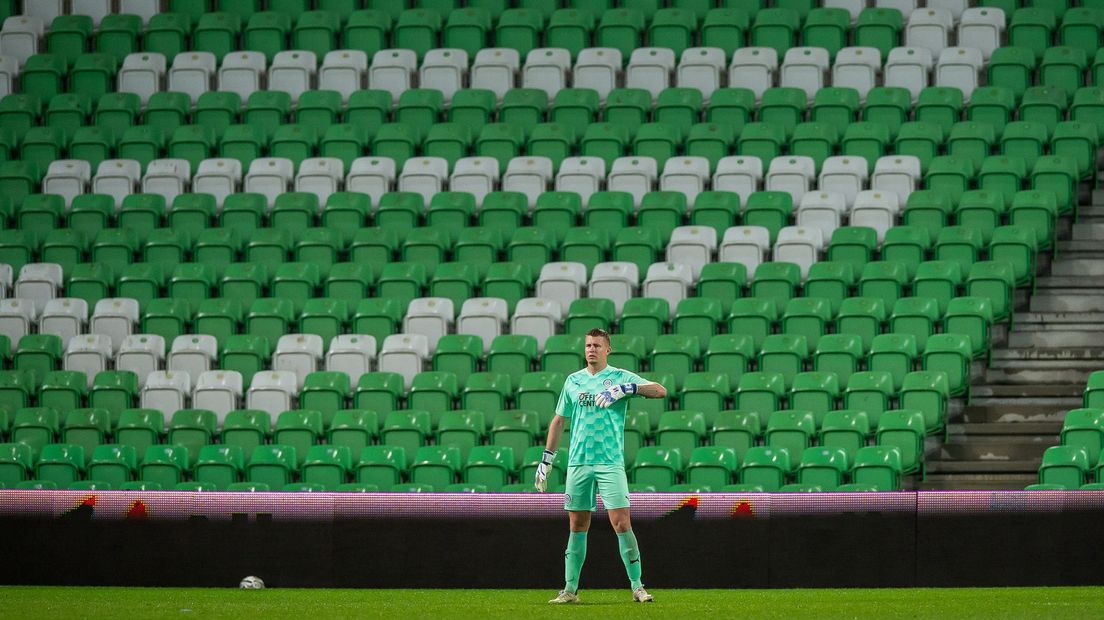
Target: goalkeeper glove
{"x":614,"y":394}
{"x":542,"y":470}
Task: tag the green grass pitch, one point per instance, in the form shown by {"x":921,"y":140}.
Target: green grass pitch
{"x":103,"y":603}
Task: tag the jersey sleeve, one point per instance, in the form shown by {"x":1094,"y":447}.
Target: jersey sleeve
{"x":628,"y":376}
{"x":564,"y":406}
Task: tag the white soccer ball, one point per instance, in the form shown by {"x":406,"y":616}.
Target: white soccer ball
{"x":251,"y":583}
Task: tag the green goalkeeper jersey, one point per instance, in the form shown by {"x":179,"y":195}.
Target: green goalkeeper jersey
{"x":597,"y":434}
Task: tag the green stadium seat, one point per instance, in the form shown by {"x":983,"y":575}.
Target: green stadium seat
{"x":1012,"y":67}
{"x":378,"y":391}
{"x":995,"y":280}
{"x":878,"y":466}
{"x":458,"y":354}
{"x":35,"y":427}
{"x":808,"y":317}
{"x":658,"y":467}
{"x":61,"y":464}
{"x":920,"y":140}
{"x":853,"y":245}
{"x":973,"y":317}
{"x":1087,"y":102}
{"x":246,"y":429}
{"x":220,"y":465}
{"x":381,"y":465}
{"x":638,"y":428}
{"x":353,"y":429}
{"x":929,"y":210}
{"x":139,"y":429}
{"x":907,"y":246}
{"x":539,"y":391}
{"x":939,"y":105}
{"x":563,"y":353}
{"x":711,"y":466}
{"x":991,"y":105}
{"x":16,"y":463}
{"x":867,"y":139}
{"x":815,"y":392}
{"x":408,"y":429}
{"x":916,"y":317}
{"x":681,"y":430}
{"x":776,"y":282}
{"x":904,"y":430}
{"x":1094,"y":390}
{"x":766,"y":467}
{"x":299,"y":429}
{"x":676,"y":355}
{"x":879,"y":28}
{"x":38,"y":353}
{"x":491,"y":467}
{"x":1056,"y":174}
{"x":823,"y":467}
{"x":737,"y":430}
{"x":512,"y":356}
{"x":192,"y":429}
{"x":1063,"y":67}
{"x":435,"y":465}
{"x":638,"y":245}
{"x":516,"y":429}
{"x":434,"y":392}
{"x":272,"y":465}
{"x":165,"y":465}
{"x":86,"y":428}
{"x":870,"y":391}
{"x":888,"y":106}
{"x":846,"y":430}
{"x":464,"y":429}
{"x":895,"y":354}
{"x":247,"y":354}
{"x":784,"y":354}
{"x":63,"y":390}
{"x":760,"y":393}
{"x":705,"y":392}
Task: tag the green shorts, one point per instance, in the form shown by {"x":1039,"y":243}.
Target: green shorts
{"x":583,"y":481}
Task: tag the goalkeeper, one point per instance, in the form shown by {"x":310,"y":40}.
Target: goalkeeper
{"x":595,"y":398}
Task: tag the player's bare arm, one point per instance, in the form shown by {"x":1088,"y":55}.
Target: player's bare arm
{"x":651,"y":390}
{"x":555,"y":432}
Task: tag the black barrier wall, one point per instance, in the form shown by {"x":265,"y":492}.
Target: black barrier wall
{"x":865,"y":548}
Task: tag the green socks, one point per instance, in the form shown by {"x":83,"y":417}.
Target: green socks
{"x":574,"y":558}
{"x":630,"y":555}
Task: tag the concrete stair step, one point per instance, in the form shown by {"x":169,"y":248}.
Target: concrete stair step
{"x":1013,"y":416}
{"x":1078,"y":266}
{"x":1053,"y":339}
{"x":1046,"y":363}
{"x":1083,"y":231}
{"x":1027,"y":318}
{"x":1082,"y":244}
{"x":1063,"y":354}
{"x":1067,"y":303}
{"x":1018,"y":466}
{"x":1053,"y":281}
{"x":975,"y":482}
{"x":992,"y":451}
{"x":1034,"y":375}
{"x":1057,"y":291}
{"x":1008,"y":427}
{"x":1026,"y":391}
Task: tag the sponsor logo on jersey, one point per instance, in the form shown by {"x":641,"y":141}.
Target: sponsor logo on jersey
{"x":586,"y":399}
